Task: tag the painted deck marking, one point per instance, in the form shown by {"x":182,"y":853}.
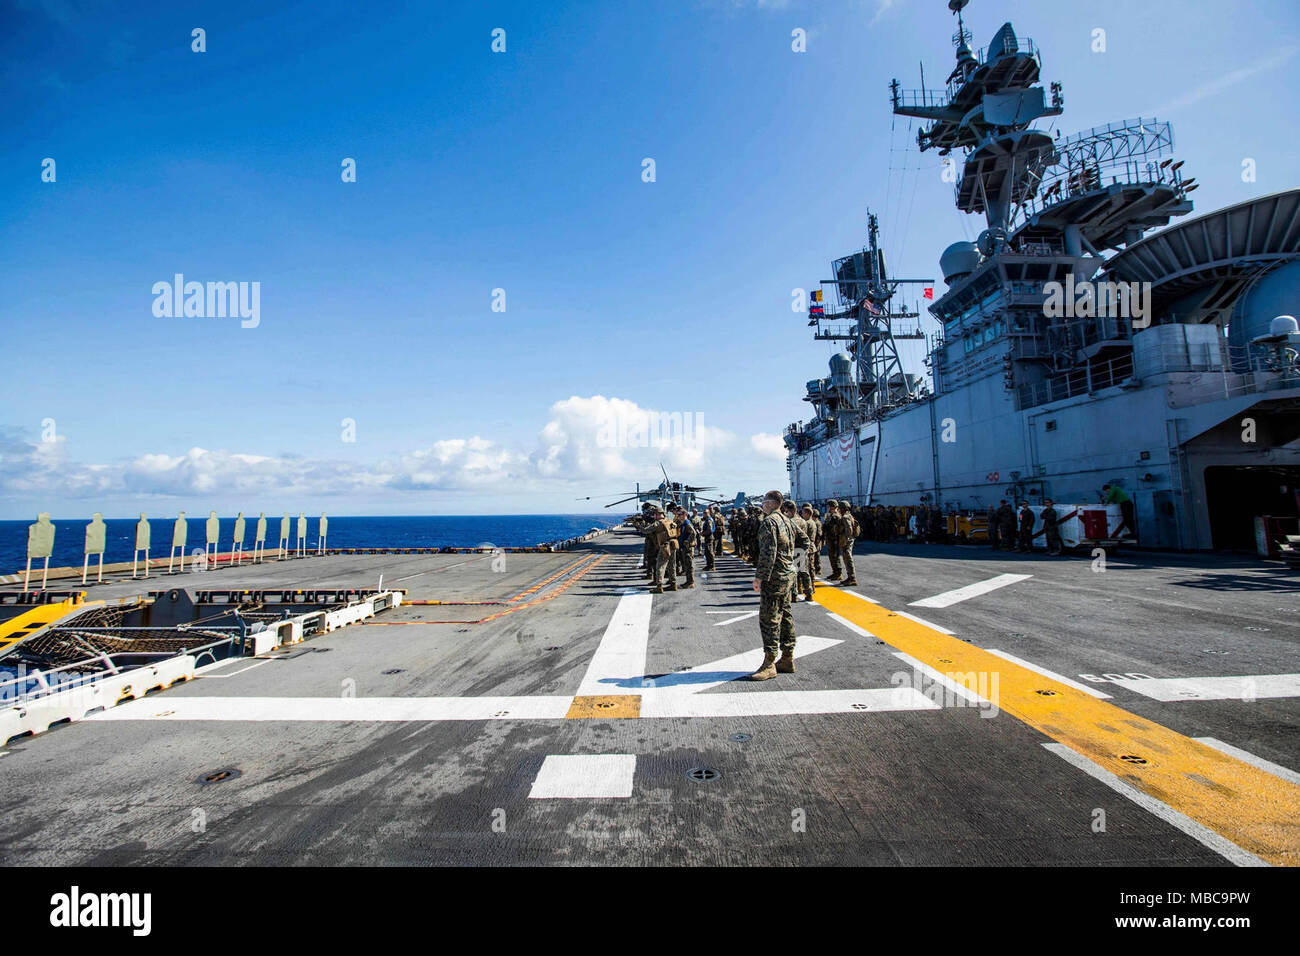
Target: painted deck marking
{"x":949,"y":598}
{"x":1090,"y":691}
{"x":785,"y":702}
{"x":704,"y":676}
{"x":924,"y":623}
{"x":1248,"y":687}
{"x":1276,"y":769}
{"x":339,"y":708}
{"x":740,"y":617}
{"x":1225,"y":848}
{"x":620,"y":657}
{"x":577,"y":776}
{"x":1245,"y":805}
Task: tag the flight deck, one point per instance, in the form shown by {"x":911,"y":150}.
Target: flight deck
{"x":959,"y":707}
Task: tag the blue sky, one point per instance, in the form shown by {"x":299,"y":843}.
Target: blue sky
{"x":519,"y":170}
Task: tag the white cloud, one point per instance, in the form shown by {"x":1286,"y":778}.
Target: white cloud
{"x":1225,"y":81}
{"x":767,"y":445}
{"x":585,"y":443}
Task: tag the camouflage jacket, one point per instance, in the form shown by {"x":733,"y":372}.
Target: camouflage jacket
{"x":814,"y":530}
{"x":775,"y":550}
{"x":833,"y":529}
{"x":802,"y":539}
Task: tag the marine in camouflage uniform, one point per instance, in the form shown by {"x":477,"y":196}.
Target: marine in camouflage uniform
{"x":802,"y":587}
{"x":775,"y":575}
{"x":815,"y":533}
{"x":848,"y":535}
{"x":649,"y":549}
{"x":1026,"y":540}
{"x":658,"y":534}
{"x":717,"y":530}
{"x":832,"y":528}
{"x":687,"y":536}
{"x":1006,"y":526}
{"x":706,"y":536}
{"x":1051,"y":527}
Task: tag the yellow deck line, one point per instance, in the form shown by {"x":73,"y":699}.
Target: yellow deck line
{"x":17,"y":629}
{"x":605,"y":707}
{"x":1252,"y":808}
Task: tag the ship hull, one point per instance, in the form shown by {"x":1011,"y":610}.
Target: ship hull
{"x":1176,"y":444}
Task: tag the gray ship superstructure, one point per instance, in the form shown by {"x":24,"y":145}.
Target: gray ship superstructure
{"x":1165,"y":364}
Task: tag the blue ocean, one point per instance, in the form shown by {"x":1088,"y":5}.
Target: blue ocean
{"x":415,"y":531}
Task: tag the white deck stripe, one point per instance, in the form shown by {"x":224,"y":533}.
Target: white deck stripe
{"x":703,"y":676}
{"x":395,"y":709}
{"x":619,"y":661}
{"x":1090,"y":691}
{"x":1219,"y":844}
{"x":338,"y":708}
{"x":855,"y":628}
{"x":591,"y":776}
{"x":949,"y":598}
{"x":1248,"y":687}
{"x":1245,"y":756}
{"x":929,"y":624}
{"x":740,"y":617}
{"x":858,"y":595}
{"x":943,"y":680}
{"x":776,"y":703}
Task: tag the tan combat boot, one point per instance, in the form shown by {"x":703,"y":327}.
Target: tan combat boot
{"x":786,"y":663}
{"x":768,"y":669}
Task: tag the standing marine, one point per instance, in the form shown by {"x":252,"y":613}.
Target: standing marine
{"x":802,"y":587}
{"x":1026,"y":540}
{"x":831,"y":531}
{"x":815,"y":533}
{"x":848,"y":535}
{"x":1051,"y":529}
{"x":774,"y":576}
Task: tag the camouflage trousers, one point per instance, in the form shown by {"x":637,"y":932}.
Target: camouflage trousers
{"x":775,"y":621}
{"x":708,"y":552}
{"x":648,"y":558}
{"x":1054,"y":542}
{"x":665,"y":561}
{"x":804,"y":585}
{"x":846,"y":558}
{"x":816,"y":561}
{"x":833,"y":555}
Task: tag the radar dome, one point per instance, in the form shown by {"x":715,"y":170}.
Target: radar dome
{"x":1283,"y":325}
{"x":958,"y":260}
{"x":841,"y":362}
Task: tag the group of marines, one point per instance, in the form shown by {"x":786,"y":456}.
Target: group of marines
{"x":781,"y":540}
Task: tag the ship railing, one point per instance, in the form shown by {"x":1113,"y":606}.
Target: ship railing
{"x":1212,"y":364}
{"x":33,"y":683}
{"x":1084,"y":380}
{"x":925,"y":98}
{"x":1021,"y":45}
